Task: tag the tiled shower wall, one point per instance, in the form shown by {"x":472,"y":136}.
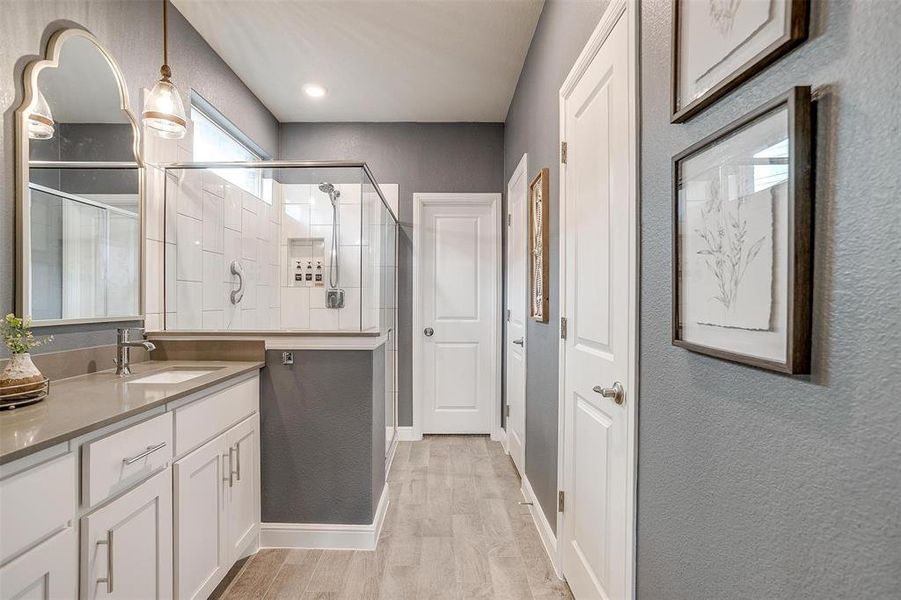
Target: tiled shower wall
{"x":209,"y":222}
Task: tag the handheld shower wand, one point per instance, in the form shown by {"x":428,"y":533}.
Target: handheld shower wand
{"x":334,"y":296}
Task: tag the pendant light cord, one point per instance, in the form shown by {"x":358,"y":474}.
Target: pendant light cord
{"x":164,"y":70}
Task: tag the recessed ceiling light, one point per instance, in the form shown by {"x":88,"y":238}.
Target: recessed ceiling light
{"x":314,"y":90}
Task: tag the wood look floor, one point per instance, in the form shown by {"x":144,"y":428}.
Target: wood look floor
{"x":454,"y":529}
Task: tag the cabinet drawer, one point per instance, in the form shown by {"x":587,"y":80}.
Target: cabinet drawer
{"x":36,"y":503}
{"x":48,"y":571}
{"x":203,"y":420}
{"x":115,"y":463}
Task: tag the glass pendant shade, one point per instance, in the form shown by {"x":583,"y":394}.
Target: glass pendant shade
{"x":164,"y":111}
{"x":40,"y":121}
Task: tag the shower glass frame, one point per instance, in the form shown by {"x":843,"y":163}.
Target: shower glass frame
{"x":375,"y":217}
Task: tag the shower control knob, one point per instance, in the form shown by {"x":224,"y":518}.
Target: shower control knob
{"x":428,"y":331}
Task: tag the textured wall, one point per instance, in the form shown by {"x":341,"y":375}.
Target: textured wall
{"x":420,"y":157}
{"x":132,"y":32}
{"x":319,"y":420}
{"x":752,"y":484}
{"x":533,"y":126}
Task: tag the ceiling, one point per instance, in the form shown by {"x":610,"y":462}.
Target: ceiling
{"x":404,"y":60}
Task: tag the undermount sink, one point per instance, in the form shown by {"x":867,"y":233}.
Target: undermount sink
{"x":172,"y":376}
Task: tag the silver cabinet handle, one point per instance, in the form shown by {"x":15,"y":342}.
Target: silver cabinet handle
{"x":428,"y":331}
{"x":108,"y":542}
{"x":238,"y":270}
{"x":150,"y":450}
{"x":615,"y":393}
{"x":231,"y":467}
{"x":519,"y":342}
{"x":238,"y":457}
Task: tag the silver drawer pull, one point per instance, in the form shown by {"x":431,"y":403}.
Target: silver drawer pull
{"x":108,"y":542}
{"x":150,"y":450}
{"x":238,"y":456}
{"x":231,"y":466}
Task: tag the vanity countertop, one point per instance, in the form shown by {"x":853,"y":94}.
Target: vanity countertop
{"x":82,"y":404}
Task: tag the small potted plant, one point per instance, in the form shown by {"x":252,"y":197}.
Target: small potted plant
{"x":20,"y":376}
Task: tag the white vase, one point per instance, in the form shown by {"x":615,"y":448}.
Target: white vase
{"x":19,"y":372}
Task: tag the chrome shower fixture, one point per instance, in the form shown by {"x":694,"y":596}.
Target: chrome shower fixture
{"x":334,"y":297}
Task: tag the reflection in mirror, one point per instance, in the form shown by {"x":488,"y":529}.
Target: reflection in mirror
{"x":81,"y":230}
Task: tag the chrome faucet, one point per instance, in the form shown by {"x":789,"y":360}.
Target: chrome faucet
{"x":124,"y":344}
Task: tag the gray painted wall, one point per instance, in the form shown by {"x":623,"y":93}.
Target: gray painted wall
{"x":132,"y":32}
{"x":420,"y":157}
{"x":322,"y":436}
{"x":752,"y":484}
{"x":533,"y":126}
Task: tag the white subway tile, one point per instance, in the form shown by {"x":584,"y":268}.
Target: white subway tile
{"x":190,"y":300}
{"x":213,"y":320}
{"x":296,"y":193}
{"x":295,"y":308}
{"x":212,"y":222}
{"x":295,"y":221}
{"x":153,"y":203}
{"x":233,"y":209}
{"x":213,"y":183}
{"x":349,"y":316}
{"x":189,"y":241}
{"x":350,"y":193}
{"x":349,"y":233}
{"x":190,"y":194}
{"x":213,"y":288}
{"x":349,"y":263}
{"x":323,"y":319}
{"x":248,"y":235}
{"x":232,"y":246}
{"x":153,"y":277}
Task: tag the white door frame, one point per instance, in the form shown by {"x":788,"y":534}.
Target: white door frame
{"x":615,"y":10}
{"x":521,"y":170}
{"x":419,"y":201}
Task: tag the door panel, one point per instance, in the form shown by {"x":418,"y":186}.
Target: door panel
{"x":596,"y":352}
{"x":201,"y":554}
{"x":127,"y":544}
{"x":47,"y":572}
{"x":517,"y":302}
{"x":458,"y":282}
{"x":243,"y":493}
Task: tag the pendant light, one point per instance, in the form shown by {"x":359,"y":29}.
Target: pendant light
{"x":40,"y":121}
{"x":163,"y":109}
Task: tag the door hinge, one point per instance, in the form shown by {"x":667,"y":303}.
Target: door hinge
{"x":563,"y":152}
{"x":508,"y":314}
{"x":509,"y":219}
{"x":507,"y":411}
{"x":560,"y":501}
{"x":563,"y":324}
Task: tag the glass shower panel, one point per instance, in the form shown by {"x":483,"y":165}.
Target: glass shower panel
{"x":295,"y":257}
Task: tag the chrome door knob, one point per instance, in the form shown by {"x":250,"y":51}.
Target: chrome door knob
{"x":615,"y":393}
{"x":428,"y":331}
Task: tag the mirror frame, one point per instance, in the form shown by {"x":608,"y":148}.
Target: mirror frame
{"x":22,"y":178}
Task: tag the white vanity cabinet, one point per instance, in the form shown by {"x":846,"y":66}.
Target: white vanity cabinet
{"x":217,"y":500}
{"x":38,"y":550}
{"x":126,"y":549}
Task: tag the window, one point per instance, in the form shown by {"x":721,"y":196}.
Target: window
{"x":212,"y":143}
{"x":771,"y":166}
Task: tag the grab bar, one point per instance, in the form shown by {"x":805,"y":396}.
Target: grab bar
{"x":238,"y":270}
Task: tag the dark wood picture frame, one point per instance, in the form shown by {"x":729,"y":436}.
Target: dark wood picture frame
{"x":538,"y":250}
{"x":796,"y":31}
{"x":799,"y":227}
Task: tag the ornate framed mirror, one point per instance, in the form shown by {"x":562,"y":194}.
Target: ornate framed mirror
{"x":79,"y":188}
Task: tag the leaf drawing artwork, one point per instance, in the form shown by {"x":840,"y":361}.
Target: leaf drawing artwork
{"x":731,"y":240}
{"x":725,"y":26}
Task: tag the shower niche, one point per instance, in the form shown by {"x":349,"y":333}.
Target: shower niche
{"x":306,"y":262}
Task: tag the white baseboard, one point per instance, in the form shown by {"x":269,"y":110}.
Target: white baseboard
{"x":541,"y":524}
{"x":405,"y":434}
{"x":326,"y":536}
{"x":501,"y":436}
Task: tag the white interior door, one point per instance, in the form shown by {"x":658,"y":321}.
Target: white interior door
{"x":457,"y":291}
{"x":596,"y":236}
{"x":517,"y":299}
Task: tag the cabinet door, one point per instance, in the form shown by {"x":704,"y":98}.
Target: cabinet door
{"x":243,"y":491}
{"x":46,"y":572}
{"x":126,"y":546}
{"x":201,"y":553}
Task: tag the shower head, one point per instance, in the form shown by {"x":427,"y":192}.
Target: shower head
{"x":329,"y":189}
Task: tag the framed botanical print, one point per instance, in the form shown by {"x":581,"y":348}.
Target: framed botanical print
{"x":719,"y":44}
{"x":742,"y":236}
{"x":538,"y":252}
